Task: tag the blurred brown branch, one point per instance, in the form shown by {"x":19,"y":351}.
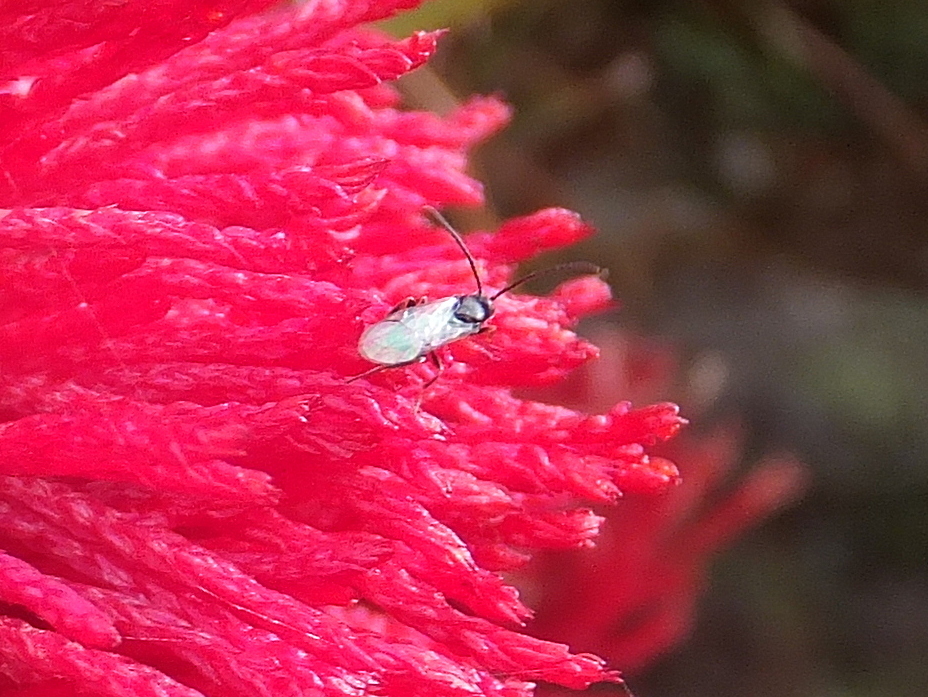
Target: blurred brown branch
{"x":784,"y":31}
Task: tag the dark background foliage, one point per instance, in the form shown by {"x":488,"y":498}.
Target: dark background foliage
{"x":758,"y":172}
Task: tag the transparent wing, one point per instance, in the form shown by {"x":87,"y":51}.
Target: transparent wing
{"x":390,"y":342}
{"x":435,"y":323}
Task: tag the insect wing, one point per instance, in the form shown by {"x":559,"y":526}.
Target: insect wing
{"x":390,"y":342}
{"x":436,"y":324}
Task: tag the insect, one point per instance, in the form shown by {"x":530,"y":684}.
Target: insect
{"x":415,"y":328}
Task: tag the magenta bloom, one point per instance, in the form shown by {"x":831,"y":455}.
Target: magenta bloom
{"x":202,"y":209}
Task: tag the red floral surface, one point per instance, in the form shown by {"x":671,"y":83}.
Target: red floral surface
{"x":202,"y":208}
{"x":200,"y":211}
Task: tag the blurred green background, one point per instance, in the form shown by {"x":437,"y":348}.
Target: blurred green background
{"x":758,"y":173}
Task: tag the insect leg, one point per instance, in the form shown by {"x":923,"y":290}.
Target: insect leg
{"x":378,"y":368}
{"x":406,"y":304}
{"x":436,"y":359}
{"x":369,"y":371}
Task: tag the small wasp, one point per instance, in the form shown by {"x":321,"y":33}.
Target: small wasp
{"x":414,"y":329}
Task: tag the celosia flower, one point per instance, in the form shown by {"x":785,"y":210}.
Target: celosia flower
{"x":202,"y":210}
{"x":642,"y":580}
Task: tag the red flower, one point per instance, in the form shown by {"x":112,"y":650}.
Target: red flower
{"x":203,"y":208}
{"x":641,"y":582}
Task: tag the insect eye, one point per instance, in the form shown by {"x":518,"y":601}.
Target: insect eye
{"x":473,"y":310}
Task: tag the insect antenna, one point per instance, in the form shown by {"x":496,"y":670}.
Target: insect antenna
{"x":441,"y":220}
{"x":578,"y":266}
